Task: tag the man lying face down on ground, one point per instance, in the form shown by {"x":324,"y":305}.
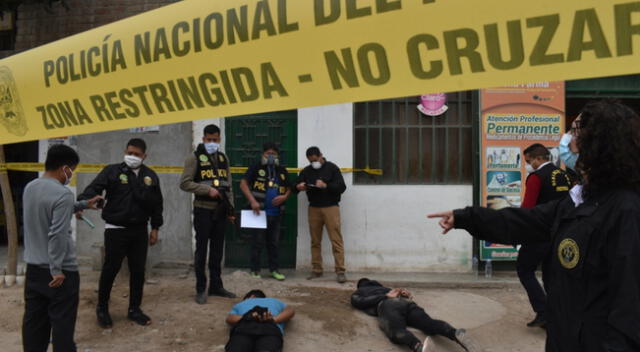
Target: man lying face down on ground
{"x":257,"y":323}
{"x":396,"y":311}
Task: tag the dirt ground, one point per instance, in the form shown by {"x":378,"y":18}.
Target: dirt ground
{"x":324,"y":319}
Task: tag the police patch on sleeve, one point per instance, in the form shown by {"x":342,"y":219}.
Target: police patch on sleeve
{"x":203,"y":157}
{"x":124,"y":179}
{"x":261,"y":173}
{"x":568,"y":253}
{"x":147,"y":181}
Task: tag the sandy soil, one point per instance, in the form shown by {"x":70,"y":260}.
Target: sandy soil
{"x":324,"y":322}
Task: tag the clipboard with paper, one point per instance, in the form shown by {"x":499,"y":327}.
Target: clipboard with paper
{"x":251,"y":220}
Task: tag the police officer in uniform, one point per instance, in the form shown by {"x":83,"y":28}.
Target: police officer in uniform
{"x":207,"y":175}
{"x":266,"y":186}
{"x":133,"y":199}
{"x":546,"y":182}
{"x":591,"y":272}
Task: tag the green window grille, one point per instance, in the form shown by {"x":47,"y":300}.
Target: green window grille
{"x":412,"y":148}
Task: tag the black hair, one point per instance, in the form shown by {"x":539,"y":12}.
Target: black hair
{"x":255,"y":293}
{"x":211,"y":129}
{"x":362,"y":281}
{"x":609,"y":145}
{"x":60,"y":155}
{"x":537,"y":150}
{"x":138,"y":143}
{"x":270,"y":146}
{"x":313,"y":151}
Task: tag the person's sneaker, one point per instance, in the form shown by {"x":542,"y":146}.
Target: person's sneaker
{"x":221,"y":292}
{"x":465,"y":341}
{"x":426,"y":346}
{"x":137,"y":316}
{"x":255,"y":275}
{"x":104,"y":319}
{"x":276,"y":275}
{"x":314,"y":275}
{"x":201,"y":298}
{"x":341,"y":278}
{"x":538,"y":321}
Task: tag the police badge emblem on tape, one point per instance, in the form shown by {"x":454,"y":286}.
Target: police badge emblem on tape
{"x":568,"y":253}
{"x":11,"y":114}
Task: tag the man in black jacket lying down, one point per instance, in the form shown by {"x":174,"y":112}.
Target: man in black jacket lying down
{"x":396,"y":311}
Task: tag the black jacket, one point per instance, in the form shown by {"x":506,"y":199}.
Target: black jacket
{"x":330,"y":174}
{"x":593,"y":301}
{"x":130,"y":200}
{"x":368,"y":296}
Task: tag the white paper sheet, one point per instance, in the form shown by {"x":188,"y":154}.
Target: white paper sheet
{"x":249,"y":220}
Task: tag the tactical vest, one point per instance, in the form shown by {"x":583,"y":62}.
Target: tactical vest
{"x":554,"y":183}
{"x":265,"y":179}
{"x":212,"y":171}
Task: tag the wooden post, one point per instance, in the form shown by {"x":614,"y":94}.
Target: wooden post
{"x":10,"y":217}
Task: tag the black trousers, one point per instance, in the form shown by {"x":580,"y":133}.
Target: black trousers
{"x":118,"y":244}
{"x":269,"y":236}
{"x":529,"y":257}
{"x":49,"y":312}
{"x":210,"y":227}
{"x":395,"y":314}
{"x":254,"y":343}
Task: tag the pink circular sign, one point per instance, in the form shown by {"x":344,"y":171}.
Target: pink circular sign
{"x":433,"y":104}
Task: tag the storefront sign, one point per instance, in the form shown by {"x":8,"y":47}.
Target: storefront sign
{"x":514,"y":118}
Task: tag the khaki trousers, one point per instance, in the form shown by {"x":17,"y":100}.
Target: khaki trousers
{"x":328,"y":217}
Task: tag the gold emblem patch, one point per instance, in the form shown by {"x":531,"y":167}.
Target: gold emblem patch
{"x":147,"y":181}
{"x":124,"y":179}
{"x":568,"y":253}
{"x":203,"y":157}
{"x":261,"y":173}
{"x":221,"y":158}
{"x":11,"y":114}
{"x":216,"y":183}
{"x":282,"y":177}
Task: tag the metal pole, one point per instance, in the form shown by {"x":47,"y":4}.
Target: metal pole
{"x":10,"y":216}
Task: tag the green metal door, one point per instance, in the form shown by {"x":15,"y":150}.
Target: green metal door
{"x":244,"y":137}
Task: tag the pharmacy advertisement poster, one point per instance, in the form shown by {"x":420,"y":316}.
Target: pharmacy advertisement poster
{"x":513,"y":118}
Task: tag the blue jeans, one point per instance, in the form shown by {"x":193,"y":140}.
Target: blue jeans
{"x":269,"y":236}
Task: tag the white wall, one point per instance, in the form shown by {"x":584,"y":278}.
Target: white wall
{"x":384,"y":227}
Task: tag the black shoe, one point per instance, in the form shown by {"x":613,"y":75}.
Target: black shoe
{"x":221,"y":292}
{"x":201,"y":298}
{"x":538,"y":321}
{"x":104,"y":319}
{"x":463,"y":339}
{"x":136,"y":316}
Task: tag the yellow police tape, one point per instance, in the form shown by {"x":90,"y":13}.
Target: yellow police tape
{"x":161,"y":169}
{"x":203,"y":59}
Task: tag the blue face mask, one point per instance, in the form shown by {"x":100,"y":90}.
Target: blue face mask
{"x":211,"y":147}
{"x":568,"y":157}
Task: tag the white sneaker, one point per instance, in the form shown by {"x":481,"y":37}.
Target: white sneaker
{"x":465,"y":341}
{"x":427,"y":345}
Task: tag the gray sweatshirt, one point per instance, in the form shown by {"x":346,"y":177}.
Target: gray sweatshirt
{"x":48,"y":207}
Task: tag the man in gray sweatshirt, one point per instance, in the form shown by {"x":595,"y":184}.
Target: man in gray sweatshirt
{"x":52,"y":282}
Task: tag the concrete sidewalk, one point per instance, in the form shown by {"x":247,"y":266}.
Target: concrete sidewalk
{"x":502,"y":279}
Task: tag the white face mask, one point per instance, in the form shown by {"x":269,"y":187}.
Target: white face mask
{"x":67,"y":179}
{"x":529,"y":168}
{"x":132,"y":161}
{"x":316,"y":164}
{"x":212,"y":147}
